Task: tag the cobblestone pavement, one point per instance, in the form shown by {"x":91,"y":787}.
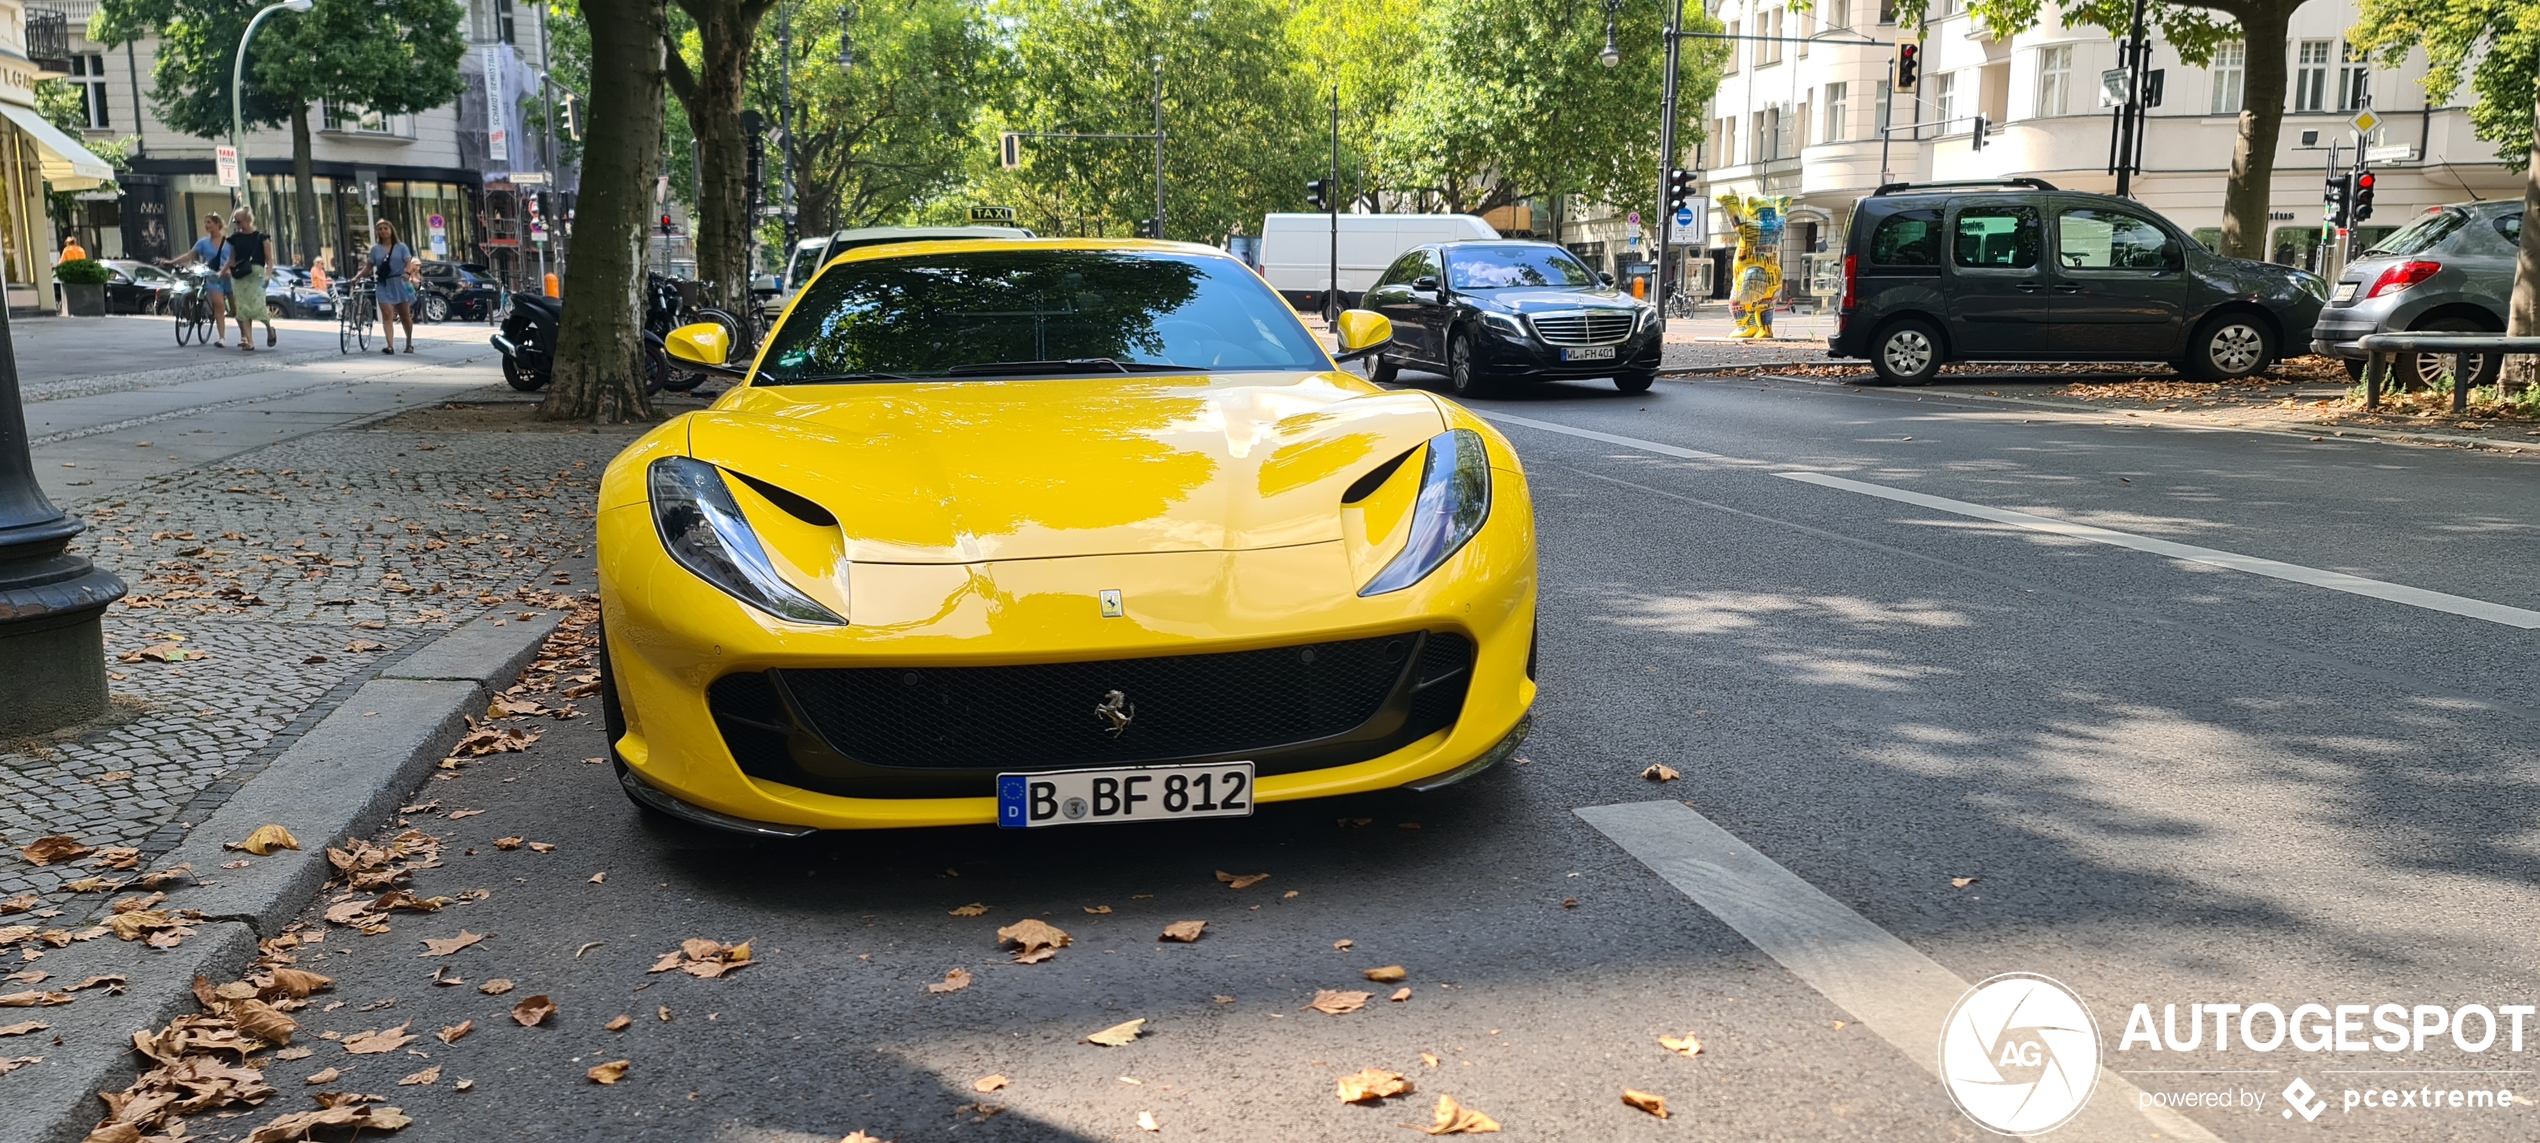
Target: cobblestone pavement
{"x":261,"y":586}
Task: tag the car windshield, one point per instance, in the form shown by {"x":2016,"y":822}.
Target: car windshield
{"x":987,"y":314}
{"x":1505,"y":267}
{"x":150,"y":274}
{"x":2420,"y":236}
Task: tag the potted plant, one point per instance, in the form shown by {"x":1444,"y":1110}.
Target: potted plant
{"x":83,"y":287}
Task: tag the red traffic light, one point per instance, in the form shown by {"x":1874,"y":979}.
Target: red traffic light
{"x":2363,"y":181}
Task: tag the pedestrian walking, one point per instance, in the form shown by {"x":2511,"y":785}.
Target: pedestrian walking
{"x":212,"y":250}
{"x":72,"y":251}
{"x":250,"y":261}
{"x":392,"y":264}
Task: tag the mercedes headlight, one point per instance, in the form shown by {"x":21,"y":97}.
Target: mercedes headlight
{"x":702,"y":528}
{"x":1647,"y":317}
{"x":1454,"y":500}
{"x":1506,"y":322}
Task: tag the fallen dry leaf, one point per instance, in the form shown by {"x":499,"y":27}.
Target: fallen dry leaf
{"x":1688,"y":1047}
{"x":1429,"y":1058}
{"x":1368,"y":1085}
{"x":1343,"y":944}
{"x":986,"y":1084}
{"x":1387,"y":975}
{"x":1400,"y":995}
{"x":1453,"y":1118}
{"x":610,"y":1072}
{"x":600,"y":877}
{"x":324,"y":1076}
{"x":428,"y":1075}
{"x":354,"y":1114}
{"x":47,"y":850}
{"x":25,"y":901}
{"x":954,"y":981}
{"x":542,"y":847}
{"x":973,"y":909}
{"x":1117,"y":1034}
{"x":1183,"y":931}
{"x":1097,"y":910}
{"x":457,"y":814}
{"x":1146,"y":1121}
{"x":261,"y":1020}
{"x":1660,"y":774}
{"x":33,"y":999}
{"x":113,"y":981}
{"x":265,"y":840}
{"x":533,"y":1009}
{"x":1653,"y":1104}
{"x":1961,"y":882}
{"x":375,"y":1043}
{"x":447,"y":945}
{"x":9,"y":1064}
{"x":1338,"y":1003}
{"x":23,"y":1029}
{"x":495,"y":987}
{"x":1246,"y":881}
{"x":704,"y":958}
{"x":293,"y":983}
{"x":1037,"y":940}
{"x":455,"y":1032}
{"x":507,"y":843}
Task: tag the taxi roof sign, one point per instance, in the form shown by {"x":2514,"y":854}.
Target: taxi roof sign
{"x":991,"y":214}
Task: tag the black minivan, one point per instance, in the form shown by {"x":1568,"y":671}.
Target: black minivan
{"x":2017,"y":270}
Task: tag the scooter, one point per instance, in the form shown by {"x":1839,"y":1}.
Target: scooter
{"x":528,"y":340}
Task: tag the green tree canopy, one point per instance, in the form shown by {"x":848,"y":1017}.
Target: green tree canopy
{"x":2494,"y":43}
{"x":395,"y":57}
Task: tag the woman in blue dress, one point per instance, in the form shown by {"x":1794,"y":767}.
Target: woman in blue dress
{"x":387,"y":265}
{"x":212,"y":250}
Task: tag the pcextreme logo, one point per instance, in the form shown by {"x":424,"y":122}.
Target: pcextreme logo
{"x":2020,"y":1054}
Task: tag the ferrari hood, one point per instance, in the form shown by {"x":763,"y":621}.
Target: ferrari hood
{"x":961,"y":472}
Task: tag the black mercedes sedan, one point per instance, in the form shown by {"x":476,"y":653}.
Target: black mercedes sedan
{"x":1487,"y":312}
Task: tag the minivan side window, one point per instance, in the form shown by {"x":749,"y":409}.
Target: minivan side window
{"x":1907,"y":238}
{"x":2092,"y":239}
{"x":2002,"y":237}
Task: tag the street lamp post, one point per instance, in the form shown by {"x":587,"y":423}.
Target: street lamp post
{"x":1613,"y":56}
{"x":237,"y":81}
{"x":52,"y":601}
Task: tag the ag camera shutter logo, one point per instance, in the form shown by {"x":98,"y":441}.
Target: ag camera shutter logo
{"x":2020,"y":1054}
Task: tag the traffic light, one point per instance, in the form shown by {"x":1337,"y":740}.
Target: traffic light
{"x":2362,"y":208}
{"x":2339,"y":197}
{"x":1679,"y":189}
{"x":573,"y":117}
{"x":1977,"y":140}
{"x":1318,"y":194}
{"x":665,"y":222}
{"x":1010,"y":150}
{"x":1909,"y":65}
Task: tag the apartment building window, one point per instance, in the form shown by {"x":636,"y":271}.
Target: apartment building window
{"x":1838,"y":13}
{"x":2230,"y":72}
{"x":89,"y":72}
{"x":351,"y":119}
{"x":1944,"y":99}
{"x":1807,"y":28}
{"x":1837,"y":96}
{"x":1724,"y":136}
{"x":2054,"y":81}
{"x":2354,"y":79}
{"x":1887,"y":11}
{"x":1768,"y":51}
{"x":503,"y":27}
{"x":1799,"y":122}
{"x":1878,"y":108}
{"x":1737,"y":47}
{"x":1759,"y":144}
{"x":2310,"y":77}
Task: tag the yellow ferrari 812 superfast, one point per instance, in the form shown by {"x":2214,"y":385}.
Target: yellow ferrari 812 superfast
{"x":1056,"y":532}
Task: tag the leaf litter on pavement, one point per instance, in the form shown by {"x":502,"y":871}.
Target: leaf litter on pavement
{"x":1035,"y":940}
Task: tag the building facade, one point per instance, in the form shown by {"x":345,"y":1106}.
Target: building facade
{"x":33,"y":155}
{"x":1803,"y":119}
{"x":443,"y":177}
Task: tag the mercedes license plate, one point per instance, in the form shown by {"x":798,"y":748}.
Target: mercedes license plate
{"x":1124,"y":794}
{"x":1592,"y":353}
{"x":2346,"y":291}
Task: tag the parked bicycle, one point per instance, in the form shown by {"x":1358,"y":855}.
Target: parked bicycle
{"x":356,"y":307}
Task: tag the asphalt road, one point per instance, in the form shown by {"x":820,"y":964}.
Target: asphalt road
{"x":2172,"y":782}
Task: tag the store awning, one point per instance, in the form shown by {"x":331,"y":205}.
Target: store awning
{"x":67,"y":165}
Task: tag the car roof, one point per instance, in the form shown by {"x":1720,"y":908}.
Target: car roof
{"x":968,"y":245}
{"x":1461,"y":242}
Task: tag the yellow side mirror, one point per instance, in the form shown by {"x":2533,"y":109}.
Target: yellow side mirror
{"x":1363,"y":332}
{"x":704,"y":343}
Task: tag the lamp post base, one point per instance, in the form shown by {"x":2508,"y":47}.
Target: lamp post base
{"x":56,"y":673}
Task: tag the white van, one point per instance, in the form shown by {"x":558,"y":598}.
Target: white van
{"x":1296,"y":249}
{"x":811,"y":254}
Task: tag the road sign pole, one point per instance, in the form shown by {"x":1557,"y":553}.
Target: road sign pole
{"x":1666,"y":152}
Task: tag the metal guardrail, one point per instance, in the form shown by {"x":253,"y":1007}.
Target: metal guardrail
{"x":2385,"y":348}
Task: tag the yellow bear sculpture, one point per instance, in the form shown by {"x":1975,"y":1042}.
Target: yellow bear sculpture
{"x":1757,"y":275}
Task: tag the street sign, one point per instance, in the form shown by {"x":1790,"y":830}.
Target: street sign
{"x":2364,"y":121}
{"x":1695,"y":230}
{"x":991,"y":214}
{"x":440,"y":231}
{"x":529,"y":178}
{"x":2112,"y":85}
{"x":226,"y":158}
{"x":1632,"y":220}
{"x":1684,"y":216}
{"x":2394,"y":153}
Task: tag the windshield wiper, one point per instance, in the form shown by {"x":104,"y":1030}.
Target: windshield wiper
{"x":836,"y":378}
{"x":1071,"y":365}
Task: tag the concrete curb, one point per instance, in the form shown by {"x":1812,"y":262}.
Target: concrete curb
{"x":342,"y":777}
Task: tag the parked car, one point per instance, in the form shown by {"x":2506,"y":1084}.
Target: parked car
{"x":811,"y":254}
{"x":1485,"y":312}
{"x":289,"y":294}
{"x":1295,"y":254}
{"x":462,"y":290}
{"x":2450,"y":271}
{"x":136,"y":287}
{"x":2017,"y":270}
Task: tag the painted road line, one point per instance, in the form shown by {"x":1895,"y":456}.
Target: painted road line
{"x":2316,"y":577}
{"x":2277,"y":569}
{"x":1902,"y":995}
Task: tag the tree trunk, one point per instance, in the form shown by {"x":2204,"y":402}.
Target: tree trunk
{"x":713,"y":96}
{"x":2245,"y":196}
{"x":599,"y":372}
{"x":304,"y":191}
{"x":2522,"y":313}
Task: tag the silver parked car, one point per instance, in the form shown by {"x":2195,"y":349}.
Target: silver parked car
{"x":2450,"y":271}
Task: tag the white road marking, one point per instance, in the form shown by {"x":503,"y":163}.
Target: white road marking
{"x":1902,"y":995}
{"x":2277,"y":569}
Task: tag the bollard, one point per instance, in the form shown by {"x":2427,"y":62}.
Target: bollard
{"x":2460,"y":384}
{"x":2375,"y":367}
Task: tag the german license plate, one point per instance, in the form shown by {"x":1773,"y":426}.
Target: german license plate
{"x":2346,"y":291}
{"x":1124,"y":794}
{"x":1592,"y":353}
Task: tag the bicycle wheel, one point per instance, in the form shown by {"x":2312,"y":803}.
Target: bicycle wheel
{"x":184,"y":322}
{"x":361,"y":325}
{"x":344,"y":325}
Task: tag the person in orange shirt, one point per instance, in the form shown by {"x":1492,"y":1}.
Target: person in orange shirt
{"x":72,"y":251}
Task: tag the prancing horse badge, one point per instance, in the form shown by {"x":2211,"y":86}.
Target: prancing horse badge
{"x":1111,"y":604}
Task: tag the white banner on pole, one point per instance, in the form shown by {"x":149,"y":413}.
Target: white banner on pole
{"x":225,"y":158}
{"x":498,"y":136}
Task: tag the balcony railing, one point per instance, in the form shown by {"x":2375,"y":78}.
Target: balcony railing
{"x":48,"y":39}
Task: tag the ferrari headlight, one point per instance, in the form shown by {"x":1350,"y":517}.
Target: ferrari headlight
{"x":1454,"y":500}
{"x":702,"y":528}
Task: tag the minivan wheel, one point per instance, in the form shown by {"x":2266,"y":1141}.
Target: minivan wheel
{"x":1463,"y":374}
{"x":1907,"y":353}
{"x":2424,"y":370}
{"x":2229,"y":347}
